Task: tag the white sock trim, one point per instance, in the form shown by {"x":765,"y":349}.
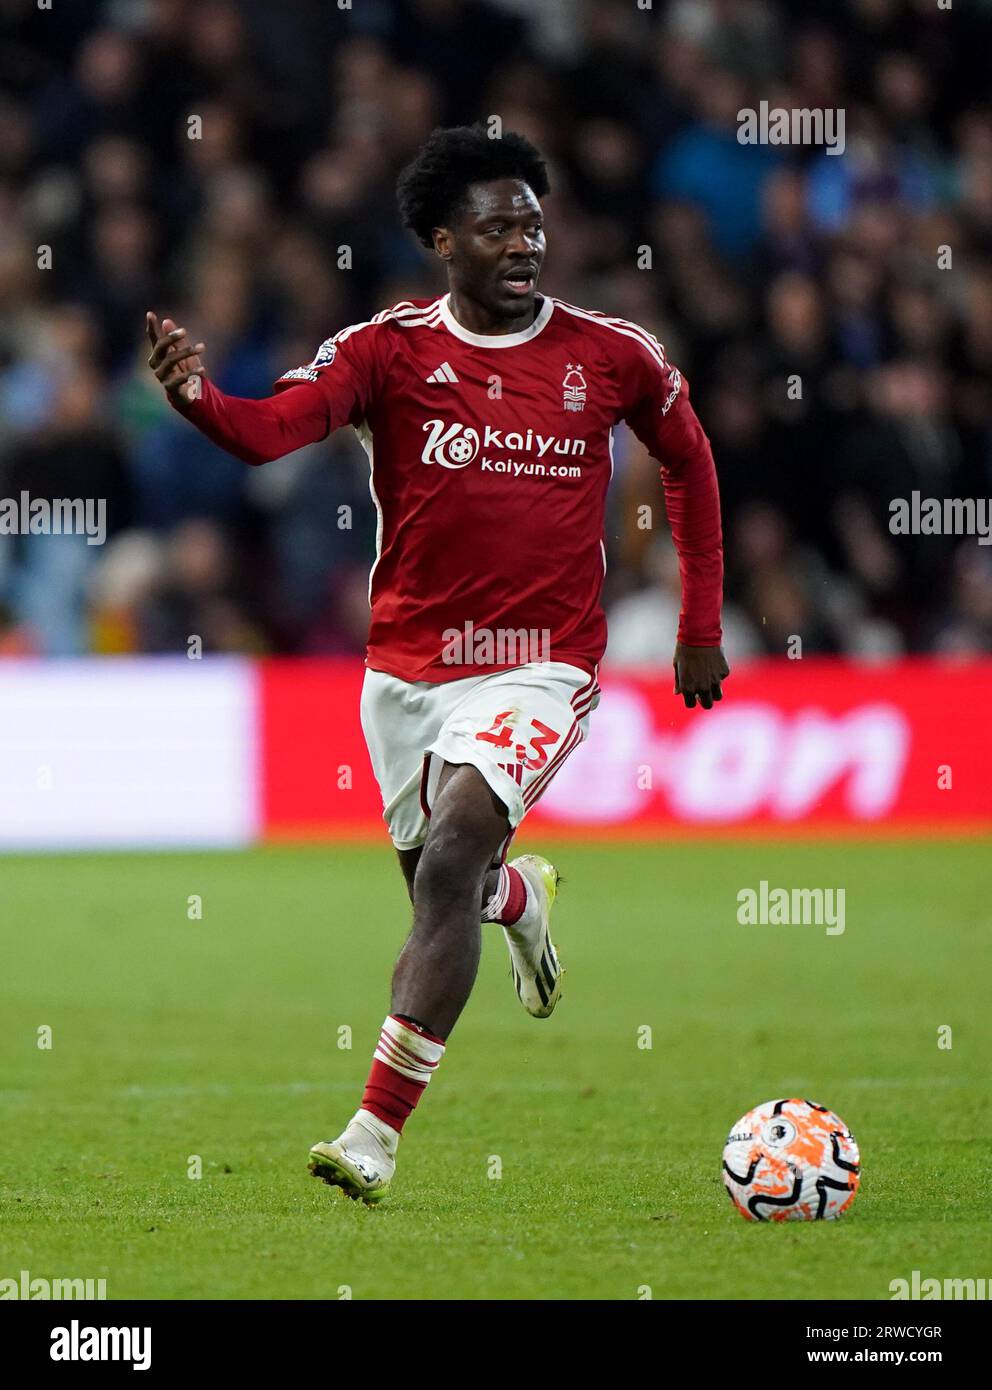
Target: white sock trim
{"x":494,"y":908}
{"x":407,"y":1051}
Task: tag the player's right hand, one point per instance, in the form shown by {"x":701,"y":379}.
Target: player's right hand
{"x":176,"y":364}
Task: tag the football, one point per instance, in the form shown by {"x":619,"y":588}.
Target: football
{"x":791,"y":1160}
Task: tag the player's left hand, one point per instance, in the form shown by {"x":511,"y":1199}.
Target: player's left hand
{"x":698,"y":673}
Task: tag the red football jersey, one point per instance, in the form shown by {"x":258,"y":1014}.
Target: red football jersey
{"x":490,"y":460}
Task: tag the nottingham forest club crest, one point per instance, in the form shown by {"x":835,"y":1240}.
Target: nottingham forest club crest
{"x":573,"y":388}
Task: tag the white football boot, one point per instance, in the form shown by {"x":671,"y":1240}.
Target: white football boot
{"x":361,"y":1161}
{"x":537,"y":971}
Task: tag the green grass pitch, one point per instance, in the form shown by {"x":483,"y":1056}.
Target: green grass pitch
{"x":219,"y":1037}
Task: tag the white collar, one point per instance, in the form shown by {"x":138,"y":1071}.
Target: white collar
{"x":496,"y":340}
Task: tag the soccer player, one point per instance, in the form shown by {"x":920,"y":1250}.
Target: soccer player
{"x":487,"y":416}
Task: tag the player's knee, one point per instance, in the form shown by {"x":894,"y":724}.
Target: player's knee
{"x":453,"y":865}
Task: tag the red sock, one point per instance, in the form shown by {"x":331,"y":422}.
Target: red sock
{"x":405,"y":1059}
{"x":507,"y":903}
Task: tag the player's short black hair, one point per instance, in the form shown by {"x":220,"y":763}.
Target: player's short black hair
{"x":432,"y":188}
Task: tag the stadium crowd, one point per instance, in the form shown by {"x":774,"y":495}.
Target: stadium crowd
{"x":231,"y":163}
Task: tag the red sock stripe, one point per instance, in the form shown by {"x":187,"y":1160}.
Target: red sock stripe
{"x":402,"y":1056}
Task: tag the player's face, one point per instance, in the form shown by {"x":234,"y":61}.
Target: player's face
{"x":497,"y":247}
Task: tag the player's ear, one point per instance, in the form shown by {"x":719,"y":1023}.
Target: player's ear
{"x":443,"y":242}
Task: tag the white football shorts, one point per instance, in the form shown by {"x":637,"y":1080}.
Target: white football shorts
{"x":517,"y":727}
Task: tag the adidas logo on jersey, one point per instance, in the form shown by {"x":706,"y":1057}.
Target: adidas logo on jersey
{"x":443,"y":373}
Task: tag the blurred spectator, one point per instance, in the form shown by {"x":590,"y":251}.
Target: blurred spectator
{"x":642,"y":623}
{"x":72,"y":456}
{"x":232,"y":163}
{"x":707,"y":166}
{"x":966,"y":628}
{"x":198,"y":595}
